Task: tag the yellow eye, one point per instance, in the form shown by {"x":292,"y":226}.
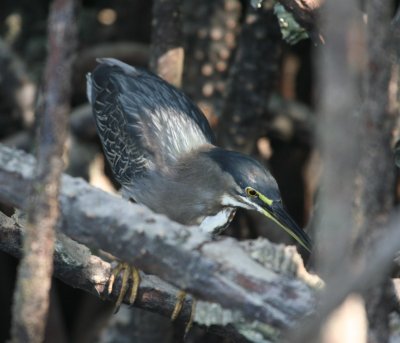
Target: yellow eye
{"x":251,"y":192}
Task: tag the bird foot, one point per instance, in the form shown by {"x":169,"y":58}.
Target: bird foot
{"x":131,"y":272}
{"x":178,"y":308}
{"x":127,"y":271}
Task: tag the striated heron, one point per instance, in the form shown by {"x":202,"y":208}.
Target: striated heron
{"x":162,"y":151}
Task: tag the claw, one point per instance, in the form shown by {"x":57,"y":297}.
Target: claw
{"x":130,"y":271}
{"x":127,"y":271}
{"x":135,"y":285}
{"x":178,"y":308}
{"x":178,"y":305}
{"x":191,"y":318}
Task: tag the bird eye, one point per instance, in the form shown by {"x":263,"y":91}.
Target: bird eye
{"x":251,"y":192}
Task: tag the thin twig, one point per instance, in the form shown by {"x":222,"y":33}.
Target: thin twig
{"x":31,"y":297}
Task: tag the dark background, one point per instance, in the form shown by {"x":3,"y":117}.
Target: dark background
{"x":280,"y":135}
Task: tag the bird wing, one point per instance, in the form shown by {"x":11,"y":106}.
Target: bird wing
{"x":143,"y":122}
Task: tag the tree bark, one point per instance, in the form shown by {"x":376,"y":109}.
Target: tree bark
{"x":211,"y":33}
{"x":219,"y":271}
{"x":375,"y":195}
{"x":31,"y":297}
{"x":166,"y":58}
{"x":251,"y":81}
{"x":356,"y":197}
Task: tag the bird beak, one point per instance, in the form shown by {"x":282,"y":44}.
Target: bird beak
{"x":277,"y":213}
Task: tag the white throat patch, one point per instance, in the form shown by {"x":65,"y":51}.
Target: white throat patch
{"x":217,"y":223}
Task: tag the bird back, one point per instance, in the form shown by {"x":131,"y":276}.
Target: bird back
{"x":143,"y":122}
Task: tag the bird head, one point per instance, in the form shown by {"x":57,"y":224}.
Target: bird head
{"x":247,"y":184}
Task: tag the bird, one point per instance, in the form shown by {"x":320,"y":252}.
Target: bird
{"x":163,"y":152}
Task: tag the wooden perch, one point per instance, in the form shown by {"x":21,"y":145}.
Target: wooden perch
{"x":76,"y":266}
{"x":219,"y":271}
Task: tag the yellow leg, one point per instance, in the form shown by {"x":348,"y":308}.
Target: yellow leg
{"x":132,"y":272}
{"x":178,"y":308}
{"x":191,"y":318}
{"x":135,"y":285}
{"x":180,"y":299}
{"x":127,"y":271}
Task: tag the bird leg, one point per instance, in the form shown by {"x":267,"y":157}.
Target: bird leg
{"x":180,"y":299}
{"x":132,"y":272}
{"x":178,"y":308}
{"x":128,"y":271}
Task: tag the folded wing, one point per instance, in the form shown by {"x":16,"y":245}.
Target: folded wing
{"x":143,"y":122}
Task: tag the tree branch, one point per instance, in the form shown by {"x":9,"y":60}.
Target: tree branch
{"x":250,"y":87}
{"x":167,"y":53}
{"x":357,"y":186}
{"x":76,"y":266}
{"x":375,"y":196}
{"x":31,"y":296}
{"x":210,"y":39}
{"x":374,"y":266}
{"x":214,"y":270}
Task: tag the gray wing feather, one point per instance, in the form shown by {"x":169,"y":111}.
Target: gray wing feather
{"x":143,"y":122}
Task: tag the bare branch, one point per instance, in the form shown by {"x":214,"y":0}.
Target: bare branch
{"x":375,"y":196}
{"x":357,"y":154}
{"x":373,"y":268}
{"x":31,"y":297}
{"x":215,"y":270}
{"x":338,"y":133}
{"x":210,"y":39}
{"x":75,"y":265}
{"x":250,"y":87}
{"x":167,"y":53}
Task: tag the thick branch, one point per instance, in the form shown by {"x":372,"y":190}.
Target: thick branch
{"x":376,"y":263}
{"x":341,"y":130}
{"x":375,"y":192}
{"x":210,"y":38}
{"x":219,"y":271}
{"x":250,"y":87}
{"x":75,"y":265}
{"x":31,"y":297}
{"x":167,"y":53}
{"x":338,"y":134}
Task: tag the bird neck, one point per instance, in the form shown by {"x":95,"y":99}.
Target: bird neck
{"x":187,"y":191}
